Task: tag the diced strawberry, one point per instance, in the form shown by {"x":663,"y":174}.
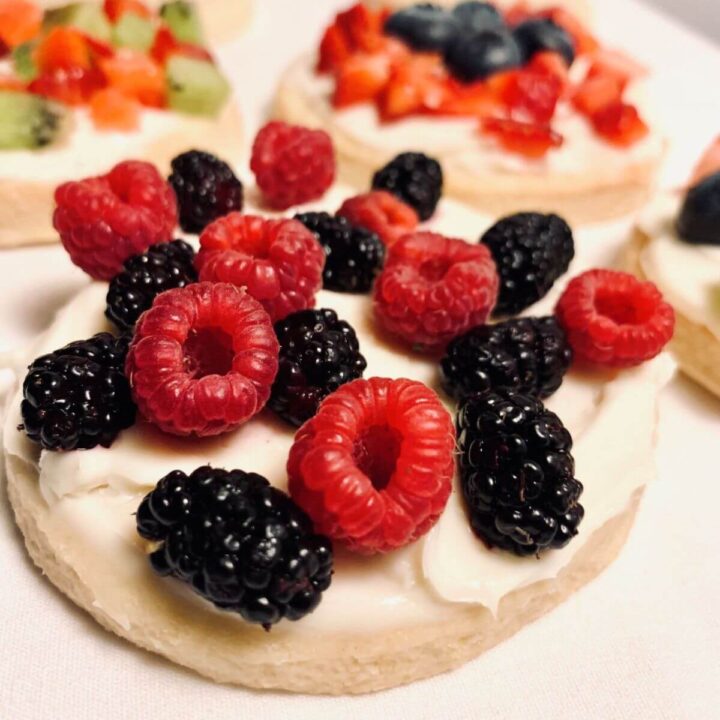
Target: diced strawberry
{"x":72,"y":86}
{"x":416,"y":84}
{"x":620,"y":124}
{"x":115,"y":9}
{"x":137,"y":75}
{"x":20,"y":21}
{"x":112,"y":110}
{"x":63,"y":48}
{"x":551,"y":63}
{"x":10,"y":82}
{"x":585,"y":41}
{"x":709,"y":163}
{"x":334,"y":49}
{"x":165,"y":45}
{"x":4,"y":49}
{"x":361,"y":78}
{"x":618,"y":65}
{"x":469,"y":99}
{"x":597,"y":92}
{"x":98,"y":48}
{"x":532,"y":95}
{"x":527,"y":139}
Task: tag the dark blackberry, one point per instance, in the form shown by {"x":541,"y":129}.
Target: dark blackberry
{"x":517,"y":473}
{"x":529,"y":355}
{"x":239,"y":542}
{"x":476,"y":56}
{"x":353,"y":255}
{"x":699,"y":217}
{"x":415,"y":178}
{"x":318,"y":354}
{"x":78,"y":397}
{"x":423,"y":26}
{"x":161,"y":267}
{"x":531,"y":251}
{"x":206,"y":189}
{"x":543,"y":34}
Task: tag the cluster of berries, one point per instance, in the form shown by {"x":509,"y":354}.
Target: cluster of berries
{"x":216,"y":336}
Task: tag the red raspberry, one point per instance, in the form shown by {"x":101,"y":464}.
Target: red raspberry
{"x":280,"y":262}
{"x":612,"y":318}
{"x":202,"y":360}
{"x":434,"y":288}
{"x":373,"y":468}
{"x":104,"y":220}
{"x":292,"y":164}
{"x":382,"y":213}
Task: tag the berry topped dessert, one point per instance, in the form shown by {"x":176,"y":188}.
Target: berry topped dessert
{"x":88,"y":84}
{"x":309,"y":458}
{"x":677,"y":245}
{"x":523,"y":107}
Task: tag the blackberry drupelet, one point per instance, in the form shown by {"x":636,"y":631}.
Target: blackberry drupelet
{"x":528,"y":355}
{"x":531,"y":251}
{"x":353,"y":254}
{"x":239,"y":542}
{"x":206,"y":189}
{"x":318,"y":354}
{"x":162,"y":267}
{"x":415,"y":178}
{"x":517,"y":473}
{"x":78,"y":397}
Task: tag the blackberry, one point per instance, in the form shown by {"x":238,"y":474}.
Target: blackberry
{"x":78,"y":397}
{"x":206,"y":189}
{"x":161,"y":267}
{"x":699,"y":217}
{"x":353,"y":255}
{"x":318,"y":354}
{"x":423,"y":26}
{"x":415,"y":178}
{"x":531,"y":251}
{"x":239,"y":542}
{"x":476,"y":56}
{"x":517,"y":473}
{"x":543,"y":34}
{"x":529,"y":355}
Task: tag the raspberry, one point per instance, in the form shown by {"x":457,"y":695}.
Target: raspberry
{"x":415,"y":178}
{"x":374,"y":467}
{"x":77,"y":397}
{"x":517,"y":473}
{"x":612,"y":318}
{"x":202,"y":360}
{"x":280,"y":262}
{"x":530,"y":355}
{"x":433,"y":288}
{"x":292,"y":164}
{"x":206,"y":189}
{"x":104,"y":220}
{"x":240,"y":543}
{"x":318,"y":354}
{"x":144,"y":277}
{"x":382,"y":213}
{"x":531,"y":251}
{"x":354,"y":255}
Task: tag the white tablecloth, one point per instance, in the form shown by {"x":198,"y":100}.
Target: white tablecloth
{"x":640,"y":642}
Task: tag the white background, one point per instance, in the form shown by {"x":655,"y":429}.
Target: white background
{"x":701,"y":14}
{"x":640,"y":642}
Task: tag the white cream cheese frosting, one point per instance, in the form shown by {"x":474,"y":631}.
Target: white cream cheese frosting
{"x":688,"y":275}
{"x":611,"y":416}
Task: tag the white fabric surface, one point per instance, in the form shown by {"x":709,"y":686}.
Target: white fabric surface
{"x":640,"y":642}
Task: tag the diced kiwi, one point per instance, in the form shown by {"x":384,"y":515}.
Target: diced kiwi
{"x":86,"y":16}
{"x":28,"y":121}
{"x":183,"y":19}
{"x":195,"y":86}
{"x":133,"y":31}
{"x":24,"y":64}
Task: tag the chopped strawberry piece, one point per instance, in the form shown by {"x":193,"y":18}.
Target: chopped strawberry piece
{"x":585,"y":41}
{"x":551,"y":63}
{"x":4,"y":49}
{"x":709,"y":163}
{"x":597,"y":92}
{"x":334,"y":49}
{"x":532,"y":141}
{"x":165,"y":45}
{"x":72,"y":86}
{"x":115,"y":9}
{"x":469,"y":100}
{"x":361,"y":78}
{"x":532,"y":95}
{"x":20,"y":21}
{"x":618,"y":65}
{"x":63,"y":48}
{"x":98,"y":48}
{"x":112,"y":110}
{"x":137,"y":75}
{"x":620,"y":124}
{"x":419,"y":83}
{"x":10,"y":82}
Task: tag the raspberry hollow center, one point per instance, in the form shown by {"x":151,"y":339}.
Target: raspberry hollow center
{"x":623,"y":309}
{"x":435,"y":269}
{"x":376,"y":453}
{"x":208,"y":351}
